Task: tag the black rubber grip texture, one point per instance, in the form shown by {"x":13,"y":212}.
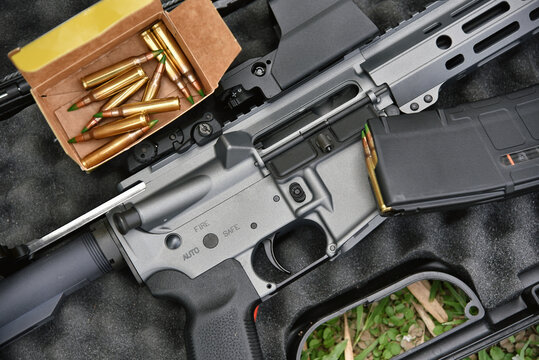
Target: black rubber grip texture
{"x":470,"y":154}
{"x":219,"y":305}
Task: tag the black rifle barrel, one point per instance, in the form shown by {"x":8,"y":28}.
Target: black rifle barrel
{"x":29,"y":297}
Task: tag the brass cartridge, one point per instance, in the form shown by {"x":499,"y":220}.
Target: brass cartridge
{"x":171,"y":47}
{"x":171,"y":70}
{"x":372,"y":176}
{"x":152,"y":89}
{"x":114,"y":128}
{"x":149,"y":107}
{"x":116,"y":101}
{"x":114,"y":147}
{"x":113,"y":70}
{"x":370,"y":141}
{"x":110,"y":88}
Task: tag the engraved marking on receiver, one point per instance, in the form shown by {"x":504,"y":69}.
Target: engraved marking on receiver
{"x":231,"y":230}
{"x":201,"y":226}
{"x":188,"y":255}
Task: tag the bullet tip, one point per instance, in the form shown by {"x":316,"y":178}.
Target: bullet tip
{"x":152,"y":123}
{"x":157,"y":52}
{"x":84,"y":130}
{"x":98,"y":115}
{"x":190,"y":98}
{"x":362,"y":134}
{"x":73,"y":107}
{"x":201,"y":92}
{"x":367,"y":128}
{"x":163,"y":59}
{"x":72,"y":140}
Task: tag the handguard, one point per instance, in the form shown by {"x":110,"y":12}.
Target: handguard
{"x":219,"y":305}
{"x":467,"y":155}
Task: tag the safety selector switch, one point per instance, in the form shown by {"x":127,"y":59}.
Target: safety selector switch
{"x":210,"y":240}
{"x":297,"y":193}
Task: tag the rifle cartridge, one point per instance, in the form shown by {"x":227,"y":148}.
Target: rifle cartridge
{"x":110,"y":88}
{"x":113,"y":70}
{"x":120,"y":126}
{"x":116,"y":101}
{"x":171,"y":47}
{"x":173,"y":74}
{"x":369,"y":162}
{"x":149,"y":107}
{"x":370,"y":141}
{"x":152,"y":88}
{"x":115,"y":146}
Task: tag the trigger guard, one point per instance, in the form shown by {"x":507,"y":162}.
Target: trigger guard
{"x":262,"y":287}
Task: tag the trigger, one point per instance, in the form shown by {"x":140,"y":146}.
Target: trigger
{"x":268,"y":247}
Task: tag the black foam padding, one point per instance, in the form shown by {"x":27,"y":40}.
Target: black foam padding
{"x":466,"y":155}
{"x":115,"y":318}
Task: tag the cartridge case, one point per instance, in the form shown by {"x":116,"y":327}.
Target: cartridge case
{"x":116,"y":101}
{"x":372,"y":176}
{"x":171,"y":47}
{"x":172,"y":72}
{"x":110,"y":88}
{"x":152,"y":89}
{"x":370,"y":141}
{"x":148,"y":107}
{"x":113,"y":86}
{"x":120,"y":126}
{"x":113,"y":70}
{"x":112,"y":148}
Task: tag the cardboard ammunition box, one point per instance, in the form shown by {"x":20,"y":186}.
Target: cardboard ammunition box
{"x":109,"y":32}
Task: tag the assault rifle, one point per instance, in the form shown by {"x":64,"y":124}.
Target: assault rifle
{"x":189,"y":224}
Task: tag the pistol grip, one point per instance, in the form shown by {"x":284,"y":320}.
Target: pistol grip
{"x":219,"y":305}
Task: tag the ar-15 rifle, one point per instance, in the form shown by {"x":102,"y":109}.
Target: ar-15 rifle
{"x":188,"y":200}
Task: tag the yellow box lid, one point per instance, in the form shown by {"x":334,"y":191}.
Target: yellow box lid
{"x":83,"y":27}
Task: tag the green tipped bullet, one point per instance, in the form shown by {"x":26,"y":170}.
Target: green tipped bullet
{"x":118,"y":127}
{"x":152,"y":88}
{"x":99,"y":114}
{"x":115,"y":101}
{"x":201,"y":92}
{"x":72,"y":140}
{"x":152,"y":123}
{"x":113,"y":147}
{"x":362,"y":133}
{"x":370,"y":141}
{"x":73,"y":107}
{"x":157,"y":52}
{"x":103,"y":75}
{"x":190,"y":98}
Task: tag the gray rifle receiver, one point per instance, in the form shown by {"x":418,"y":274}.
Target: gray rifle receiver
{"x":191,"y":231}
